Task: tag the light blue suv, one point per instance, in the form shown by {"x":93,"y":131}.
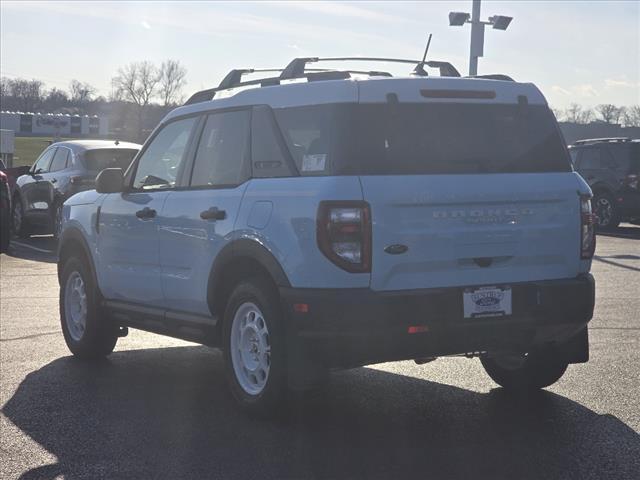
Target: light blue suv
{"x":330,"y":219}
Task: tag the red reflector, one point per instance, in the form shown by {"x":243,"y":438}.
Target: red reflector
{"x":300,"y":307}
{"x":418,"y":329}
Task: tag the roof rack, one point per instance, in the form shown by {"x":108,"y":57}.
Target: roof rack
{"x":602,"y":140}
{"x":297,"y":68}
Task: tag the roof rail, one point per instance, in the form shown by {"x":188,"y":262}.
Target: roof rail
{"x":493,"y":76}
{"x":602,"y":140}
{"x":297,"y":66}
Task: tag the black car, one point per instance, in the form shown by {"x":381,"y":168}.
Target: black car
{"x":611,"y":166}
{"x":63,"y":169}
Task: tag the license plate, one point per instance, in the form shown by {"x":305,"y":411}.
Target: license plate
{"x":486,"y":302}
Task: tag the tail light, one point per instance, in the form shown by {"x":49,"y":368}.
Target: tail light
{"x":344,"y":234}
{"x":587,"y":228}
{"x":631,"y":181}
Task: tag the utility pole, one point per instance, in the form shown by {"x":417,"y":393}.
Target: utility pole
{"x":477,"y":38}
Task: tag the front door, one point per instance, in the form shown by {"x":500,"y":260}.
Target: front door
{"x":35,"y":189}
{"x":128,"y":245}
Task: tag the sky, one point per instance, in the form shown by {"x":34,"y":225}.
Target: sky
{"x":585,"y":52}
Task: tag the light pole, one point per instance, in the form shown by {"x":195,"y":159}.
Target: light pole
{"x":476,"y":50}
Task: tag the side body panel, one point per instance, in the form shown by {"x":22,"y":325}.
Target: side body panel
{"x":189,"y":244}
{"x":280,"y":215}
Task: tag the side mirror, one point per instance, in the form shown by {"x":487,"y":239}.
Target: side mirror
{"x":110,"y":180}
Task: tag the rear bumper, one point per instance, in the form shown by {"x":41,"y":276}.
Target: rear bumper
{"x":350,"y":327}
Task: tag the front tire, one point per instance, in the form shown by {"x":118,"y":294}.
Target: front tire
{"x":88,"y":334}
{"x":524,"y":372}
{"x":254,"y":347}
{"x":57,"y":221}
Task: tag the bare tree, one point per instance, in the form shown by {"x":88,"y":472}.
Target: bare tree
{"x":559,"y":114}
{"x":576,"y":114}
{"x":27,"y":94}
{"x":632,"y":116}
{"x":56,"y":99}
{"x":81,"y":93}
{"x":137,"y":83}
{"x":609,"y":113}
{"x":172,"y":80}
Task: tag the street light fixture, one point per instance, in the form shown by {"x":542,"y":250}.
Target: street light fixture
{"x":476,"y":50}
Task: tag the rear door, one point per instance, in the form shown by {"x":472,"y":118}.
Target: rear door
{"x":479,"y":193}
{"x":197,"y":220}
{"x":54,"y":178}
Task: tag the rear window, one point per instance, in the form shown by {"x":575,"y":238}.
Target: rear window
{"x":434,"y":138}
{"x":98,"y":160}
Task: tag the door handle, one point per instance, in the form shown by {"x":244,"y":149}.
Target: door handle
{"x":145,"y":213}
{"x":213,"y":213}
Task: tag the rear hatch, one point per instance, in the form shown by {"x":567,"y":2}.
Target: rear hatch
{"x":480,"y":193}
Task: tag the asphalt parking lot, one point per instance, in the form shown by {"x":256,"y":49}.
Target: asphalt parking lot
{"x":159,"y":408}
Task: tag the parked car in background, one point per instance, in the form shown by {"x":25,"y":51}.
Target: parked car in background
{"x":5,"y":212}
{"x":62,"y":170}
{"x":611,"y":167}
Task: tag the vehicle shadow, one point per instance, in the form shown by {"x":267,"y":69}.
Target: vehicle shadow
{"x":38,"y":249}
{"x":166,"y":413}
{"x":623,"y":231}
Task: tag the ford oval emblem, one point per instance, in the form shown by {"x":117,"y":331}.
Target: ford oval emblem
{"x":487,"y":301}
{"x":396,"y":249}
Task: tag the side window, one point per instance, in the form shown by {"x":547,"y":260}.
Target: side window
{"x":222,"y":154}
{"x":59,"y":160}
{"x":267,"y":156}
{"x":620,"y":155}
{"x":160,"y":163}
{"x":42,"y":164}
{"x":590,"y":159}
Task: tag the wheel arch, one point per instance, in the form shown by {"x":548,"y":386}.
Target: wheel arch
{"x":240,"y":259}
{"x":72,"y":241}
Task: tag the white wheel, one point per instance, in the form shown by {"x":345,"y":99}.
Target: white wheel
{"x":75,"y":306}
{"x":254,"y":347}
{"x":250,"y":348}
{"x":88,"y":333}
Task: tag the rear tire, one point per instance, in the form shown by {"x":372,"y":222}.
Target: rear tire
{"x":20,"y":227}
{"x":254,"y":347}
{"x":524,"y":373}
{"x":606,"y":211}
{"x":88,"y":333}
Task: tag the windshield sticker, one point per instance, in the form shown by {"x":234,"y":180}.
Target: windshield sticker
{"x":314,"y":163}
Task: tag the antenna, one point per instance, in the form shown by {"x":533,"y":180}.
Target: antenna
{"x":419,"y":71}
{"x":426,"y":50}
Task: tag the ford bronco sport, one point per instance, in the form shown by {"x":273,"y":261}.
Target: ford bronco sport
{"x":321,"y":220}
